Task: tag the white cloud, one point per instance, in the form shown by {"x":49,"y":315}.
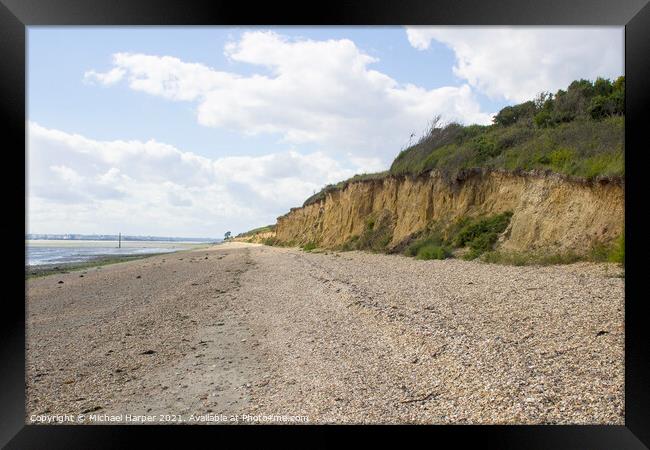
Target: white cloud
{"x":320,"y":92}
{"x":517,"y":63}
{"x":77,"y":184}
{"x":108,"y":78}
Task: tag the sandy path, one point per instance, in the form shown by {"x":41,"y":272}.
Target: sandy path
{"x":348,"y":337}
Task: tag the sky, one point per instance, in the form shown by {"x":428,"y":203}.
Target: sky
{"x":195,"y":131}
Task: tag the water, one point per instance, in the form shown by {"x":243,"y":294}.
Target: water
{"x":41,"y":252}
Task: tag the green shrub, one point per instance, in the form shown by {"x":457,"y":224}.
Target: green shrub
{"x":543,"y":119}
{"x":383,"y":241}
{"x":530,"y":258}
{"x":604,"y":164}
{"x":482,"y":243}
{"x":475,"y":229}
{"x":617,"y":253}
{"x":270,"y":241}
{"x":561,"y":160}
{"x":613,"y":252}
{"x":599,"y":252}
{"x":484,"y":147}
{"x":377,"y":234}
{"x":309,"y":246}
{"x":350,"y":244}
{"x":512,"y":114}
{"x":431,"y":251}
{"x":432,"y":240}
{"x":481,"y":234}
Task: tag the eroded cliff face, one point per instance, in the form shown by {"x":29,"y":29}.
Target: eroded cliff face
{"x":550,"y":212}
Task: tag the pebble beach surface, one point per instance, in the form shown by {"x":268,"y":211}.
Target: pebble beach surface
{"x":267,"y":334}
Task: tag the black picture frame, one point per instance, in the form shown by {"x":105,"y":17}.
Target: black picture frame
{"x":16,"y":15}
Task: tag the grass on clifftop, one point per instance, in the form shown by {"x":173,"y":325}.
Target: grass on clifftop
{"x":254,"y":231}
{"x":581,"y":148}
{"x":342,"y":184}
{"x":578,"y":132}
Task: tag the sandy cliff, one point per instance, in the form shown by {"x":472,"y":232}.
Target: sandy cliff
{"x":550,"y":212}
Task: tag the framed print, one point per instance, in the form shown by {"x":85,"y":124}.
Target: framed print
{"x":422,"y":215}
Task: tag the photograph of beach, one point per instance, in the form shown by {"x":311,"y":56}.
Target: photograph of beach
{"x":325,"y":225}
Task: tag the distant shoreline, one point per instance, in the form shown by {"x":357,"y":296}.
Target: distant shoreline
{"x":110,"y":237}
{"x":42,"y":270}
{"x":49,"y":254}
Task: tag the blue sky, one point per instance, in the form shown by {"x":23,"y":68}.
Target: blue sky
{"x":196,"y":131}
{"x":59,"y":56}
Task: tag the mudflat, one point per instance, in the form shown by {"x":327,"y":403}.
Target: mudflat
{"x":264,"y":332}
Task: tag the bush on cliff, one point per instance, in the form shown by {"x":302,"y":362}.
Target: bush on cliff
{"x":481,"y":234}
{"x":271,"y":241}
{"x":478,"y":233}
{"x":377,"y":234}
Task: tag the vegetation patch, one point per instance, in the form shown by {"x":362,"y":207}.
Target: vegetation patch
{"x":530,"y":258}
{"x":431,"y":251}
{"x":431,"y":246}
{"x":376,"y":236}
{"x":275,"y":242}
{"x":350,"y":244}
{"x":582,"y":148}
{"x":599,"y":252}
{"x":481,"y":234}
{"x":320,"y":195}
{"x":577,"y":132}
{"x":614,"y":252}
{"x":478,"y":234}
{"x":272,"y":241}
{"x":254,"y":231}
{"x":617,"y":252}
{"x":309,"y":246}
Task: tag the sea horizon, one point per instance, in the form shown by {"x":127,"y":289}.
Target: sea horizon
{"x":111,"y":237}
{"x":41,"y":252}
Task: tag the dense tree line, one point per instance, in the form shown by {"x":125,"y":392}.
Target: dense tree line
{"x":582,"y":99}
